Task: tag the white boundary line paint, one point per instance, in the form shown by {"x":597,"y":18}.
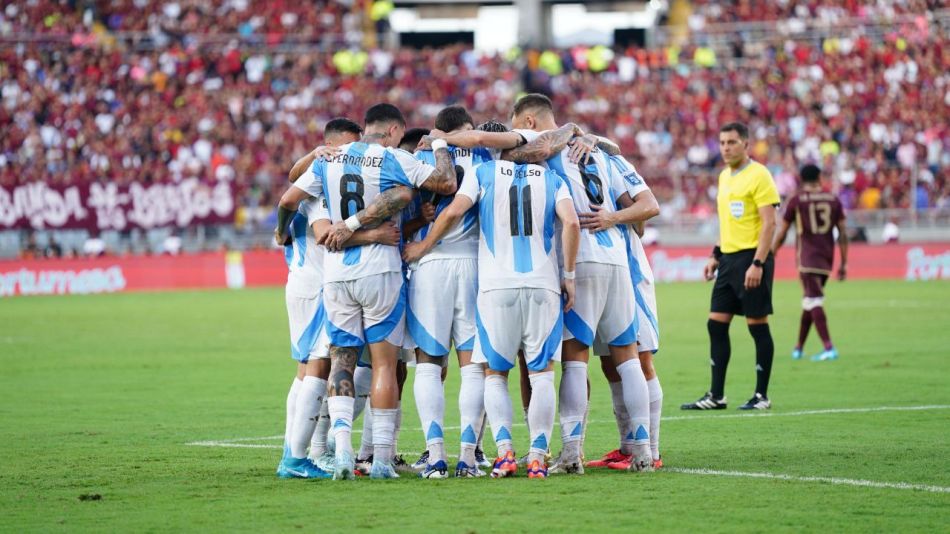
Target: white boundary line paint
{"x":826,"y":480}
{"x":237,"y":442}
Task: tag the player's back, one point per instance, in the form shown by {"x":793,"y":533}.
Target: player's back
{"x":816,"y":215}
{"x":304,"y":257}
{"x":593,"y":184}
{"x":462,"y":240}
{"x":352,"y":180}
{"x":516,"y":210}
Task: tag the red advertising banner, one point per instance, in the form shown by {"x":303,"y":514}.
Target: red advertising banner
{"x":108,"y":206}
{"x":267,"y":268}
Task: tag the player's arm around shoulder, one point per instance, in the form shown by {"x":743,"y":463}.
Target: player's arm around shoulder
{"x":442,"y":179}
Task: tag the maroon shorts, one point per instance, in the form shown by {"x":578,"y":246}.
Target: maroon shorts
{"x":814,"y":284}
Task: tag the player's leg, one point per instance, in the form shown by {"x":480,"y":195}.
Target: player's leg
{"x":402,"y":373}
{"x":816,"y":300}
{"x":319,"y":452}
{"x":472,"y":388}
{"x":307,"y":320}
{"x":429,"y":321}
{"x":757,"y":305}
{"x":806,"y":320}
{"x":724,"y":304}
{"x":345,"y":330}
{"x":383,"y":301}
{"x":580,"y":325}
{"x":291,"y":403}
{"x":655,"y":392}
{"x":499,"y":323}
{"x":541,"y":339}
{"x":622,"y":453}
{"x":363,"y":381}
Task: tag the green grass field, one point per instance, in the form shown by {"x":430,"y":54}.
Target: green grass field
{"x":103,"y":395}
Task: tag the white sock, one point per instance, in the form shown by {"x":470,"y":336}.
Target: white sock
{"x":483,"y":418}
{"x":573,"y":404}
{"x":471,"y":410}
{"x":637,"y":399}
{"x":291,"y":405}
{"x":384,"y":427}
{"x":341,"y":417}
{"x":622,"y":417}
{"x":309,"y":398}
{"x":430,"y":402}
{"x":498,"y":409}
{"x":397,"y":428}
{"x":318,"y":444}
{"x":656,"y":406}
{"x":541,"y":413}
{"x":362,"y":382}
{"x":366,"y":439}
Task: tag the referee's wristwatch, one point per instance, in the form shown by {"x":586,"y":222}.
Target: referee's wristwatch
{"x":758,"y":263}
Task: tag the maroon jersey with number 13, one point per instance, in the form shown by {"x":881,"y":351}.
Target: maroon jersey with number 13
{"x":816,"y":213}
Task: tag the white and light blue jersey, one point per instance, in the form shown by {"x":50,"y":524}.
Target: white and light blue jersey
{"x":516,"y":220}
{"x":590,"y":184}
{"x":304,"y":257}
{"x":461,"y":242}
{"x":629,"y":181}
{"x":351,"y":181}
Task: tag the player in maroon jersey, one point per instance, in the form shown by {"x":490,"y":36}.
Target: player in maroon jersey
{"x":815,"y":213}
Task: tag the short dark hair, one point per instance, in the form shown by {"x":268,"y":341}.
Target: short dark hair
{"x":452,"y":118}
{"x":412,"y":136}
{"x":737,"y":127}
{"x":810,"y":173}
{"x":492,"y":125}
{"x":341,"y":125}
{"x":383,"y":113}
{"x":533,"y":101}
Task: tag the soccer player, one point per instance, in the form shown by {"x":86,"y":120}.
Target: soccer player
{"x":442,"y":294}
{"x":605,"y":304}
{"x":815,"y":213}
{"x":363,"y":286}
{"x":519,"y":303}
{"x":305,"y":310}
{"x":742,"y":266}
{"x":638,"y":205}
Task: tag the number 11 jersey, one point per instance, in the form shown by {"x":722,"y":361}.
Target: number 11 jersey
{"x":516,"y":220}
{"x":352,"y":180}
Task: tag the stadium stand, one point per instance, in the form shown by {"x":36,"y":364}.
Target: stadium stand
{"x":118,"y":92}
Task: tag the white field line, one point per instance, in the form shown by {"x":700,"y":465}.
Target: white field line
{"x":826,"y":480}
{"x":240,"y":443}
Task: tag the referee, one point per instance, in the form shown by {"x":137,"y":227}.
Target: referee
{"x":742,"y":265}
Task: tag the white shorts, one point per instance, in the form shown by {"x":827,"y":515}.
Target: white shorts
{"x":604,"y":306}
{"x":308,"y":335}
{"x":442,"y":295}
{"x":648,"y":334}
{"x":366,"y":310}
{"x":509,"y":320}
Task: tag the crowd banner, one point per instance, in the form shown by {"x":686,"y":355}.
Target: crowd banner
{"x":235,"y":270}
{"x":108,"y":206}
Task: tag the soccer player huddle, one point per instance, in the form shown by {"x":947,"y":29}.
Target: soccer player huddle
{"x":516,"y":247}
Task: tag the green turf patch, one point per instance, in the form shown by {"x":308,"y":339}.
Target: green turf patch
{"x":115,"y":409}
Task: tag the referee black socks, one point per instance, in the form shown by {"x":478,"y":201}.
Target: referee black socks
{"x":719,"y":351}
{"x":764,"y":352}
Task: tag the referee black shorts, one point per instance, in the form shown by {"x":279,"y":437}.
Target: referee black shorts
{"x":729,"y":294}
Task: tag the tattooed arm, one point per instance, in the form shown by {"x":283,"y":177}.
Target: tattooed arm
{"x":442,"y":181}
{"x":546,"y":145}
{"x":387,"y":204}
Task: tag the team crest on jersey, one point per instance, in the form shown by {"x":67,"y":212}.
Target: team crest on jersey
{"x":737,"y":208}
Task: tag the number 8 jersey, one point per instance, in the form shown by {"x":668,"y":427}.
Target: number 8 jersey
{"x":351,"y":181}
{"x":516,"y":220}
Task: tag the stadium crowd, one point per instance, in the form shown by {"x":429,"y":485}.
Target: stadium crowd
{"x":872,"y":109}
